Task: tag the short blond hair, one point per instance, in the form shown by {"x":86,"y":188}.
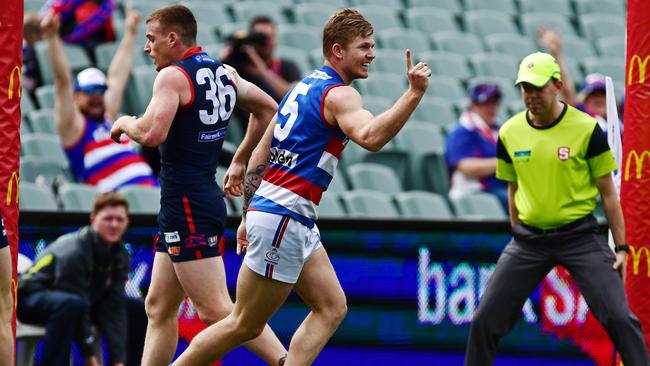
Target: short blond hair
{"x":343,"y":27}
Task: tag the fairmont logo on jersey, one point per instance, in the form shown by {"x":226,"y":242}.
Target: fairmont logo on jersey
{"x":563,"y":153}
{"x":283,"y":157}
{"x":210,"y":136}
{"x":523,"y":153}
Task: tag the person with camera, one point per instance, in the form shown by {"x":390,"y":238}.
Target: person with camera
{"x":252,"y":56}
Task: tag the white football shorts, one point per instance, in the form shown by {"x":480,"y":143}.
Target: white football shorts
{"x":278,"y":245}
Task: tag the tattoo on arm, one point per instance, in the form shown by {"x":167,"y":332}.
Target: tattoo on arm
{"x":251,"y":184}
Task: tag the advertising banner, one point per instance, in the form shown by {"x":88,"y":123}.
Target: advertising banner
{"x":635,"y":186}
{"x":11,"y":32}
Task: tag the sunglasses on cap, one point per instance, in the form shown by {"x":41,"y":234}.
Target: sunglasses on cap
{"x":92,"y":89}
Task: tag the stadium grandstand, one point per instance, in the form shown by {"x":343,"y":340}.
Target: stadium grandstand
{"x":462,"y":41}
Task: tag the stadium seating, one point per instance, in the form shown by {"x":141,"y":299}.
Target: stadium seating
{"x":31,"y":167}
{"x":397,"y":38}
{"x":142,"y":199}
{"x":376,"y":177}
{"x":77,"y":197}
{"x":33,"y":197}
{"x":486,"y":22}
{"x":465,"y":44}
{"x":246,"y":10}
{"x":484,"y":206}
{"x":494,"y":64}
{"x":330,"y":206}
{"x":431,"y":20}
{"x":435,"y":110}
{"x":314,"y":15}
{"x":596,"y":26}
{"x":610,"y":7}
{"x":447,"y":63}
{"x":504,"y":6}
{"x":463,"y":41}
{"x":75,"y":55}
{"x":423,"y":205}
{"x":42,"y":121}
{"x":561,"y":7}
{"x":389,"y":61}
{"x":612,"y":46}
{"x":389,"y":86}
{"x":44,"y":146}
{"x":381,"y":17}
{"x":45,"y":96}
{"x":510,"y":44}
{"x":531,"y":22}
{"x":303,"y":37}
{"x":369,"y":204}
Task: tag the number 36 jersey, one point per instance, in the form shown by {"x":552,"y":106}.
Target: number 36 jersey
{"x":190,"y":154}
{"x":304,"y":152}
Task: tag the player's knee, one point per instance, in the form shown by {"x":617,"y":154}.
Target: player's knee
{"x":158,"y":310}
{"x":335,"y":311}
{"x":215,"y":314}
{"x":246,"y":330}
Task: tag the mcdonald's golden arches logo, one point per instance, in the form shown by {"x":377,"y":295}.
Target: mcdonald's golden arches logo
{"x":636,"y":254}
{"x":641,"y":64}
{"x":14,"y":289}
{"x":16,"y":73}
{"x":638,"y":159}
{"x":14,"y":181}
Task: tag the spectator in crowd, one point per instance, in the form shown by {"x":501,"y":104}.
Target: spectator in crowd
{"x":84,"y":22}
{"x":592,"y":99}
{"x":252,"y":55}
{"x":31,"y":34}
{"x":6,"y":301}
{"x":85,"y":110}
{"x":78,"y":282}
{"x":471,"y":146}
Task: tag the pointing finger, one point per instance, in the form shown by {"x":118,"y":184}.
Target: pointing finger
{"x":409,"y":64}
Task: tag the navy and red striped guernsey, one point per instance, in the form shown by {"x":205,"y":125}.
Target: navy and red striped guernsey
{"x":304,"y":152}
{"x":190,"y":154}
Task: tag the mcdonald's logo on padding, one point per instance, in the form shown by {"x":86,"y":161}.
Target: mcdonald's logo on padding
{"x":12,"y":188}
{"x":638,"y":159}
{"x":640,"y":64}
{"x":636,"y":254}
{"x":16,"y":73}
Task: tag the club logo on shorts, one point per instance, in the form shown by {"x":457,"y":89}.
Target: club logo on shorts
{"x":172,"y":237}
{"x":563,"y":153}
{"x":213,"y":240}
{"x":272,"y":256}
{"x":174,"y":251}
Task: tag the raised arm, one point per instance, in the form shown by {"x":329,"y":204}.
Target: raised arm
{"x":344,"y":106}
{"x":261,"y":108}
{"x":121,"y":65}
{"x":614,"y":215}
{"x":68,"y":120}
{"x":552,"y":40}
{"x":152,"y":128}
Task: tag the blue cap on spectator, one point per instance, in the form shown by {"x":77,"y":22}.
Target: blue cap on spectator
{"x":593,"y":83}
{"x":90,"y":80}
{"x":483,"y":91}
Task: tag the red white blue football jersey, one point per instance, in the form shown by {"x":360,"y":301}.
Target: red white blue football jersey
{"x":304,"y":152}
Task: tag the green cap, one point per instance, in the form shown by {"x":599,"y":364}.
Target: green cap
{"x":537,"y":68}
